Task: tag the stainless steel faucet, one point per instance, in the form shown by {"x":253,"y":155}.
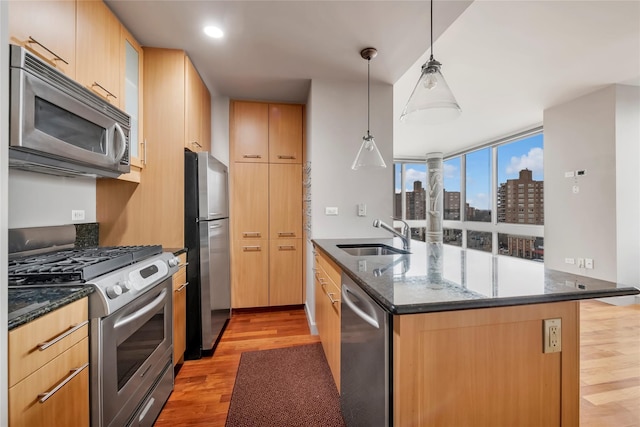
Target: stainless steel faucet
{"x":405,"y":235}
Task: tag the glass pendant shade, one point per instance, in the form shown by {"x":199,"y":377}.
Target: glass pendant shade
{"x":431,"y":101}
{"x":368,"y":156}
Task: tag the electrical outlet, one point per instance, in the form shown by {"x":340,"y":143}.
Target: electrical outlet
{"x":331,"y":211}
{"x":576,"y":189}
{"x":569,"y":261}
{"x":552,"y":335}
{"x":77,"y":215}
{"x":588,"y":263}
{"x":362,"y":209}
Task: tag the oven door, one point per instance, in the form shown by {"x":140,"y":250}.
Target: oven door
{"x":132,"y":348}
{"x":48,"y":121}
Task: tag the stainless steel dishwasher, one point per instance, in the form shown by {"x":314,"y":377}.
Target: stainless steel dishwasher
{"x":365,"y":375}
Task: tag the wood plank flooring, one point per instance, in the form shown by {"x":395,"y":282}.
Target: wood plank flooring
{"x":609,"y":365}
{"x":609,"y":375}
{"x":203,"y":387}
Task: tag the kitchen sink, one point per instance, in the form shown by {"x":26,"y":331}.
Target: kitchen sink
{"x":370,"y":249}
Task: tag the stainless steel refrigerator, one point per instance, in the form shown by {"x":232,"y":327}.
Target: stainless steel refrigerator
{"x":206,"y":228}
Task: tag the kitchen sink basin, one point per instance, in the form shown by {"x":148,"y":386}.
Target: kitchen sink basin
{"x":370,"y":249}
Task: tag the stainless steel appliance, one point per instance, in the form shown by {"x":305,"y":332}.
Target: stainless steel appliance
{"x":131,"y":339}
{"x":206,"y":229}
{"x":365,"y":348}
{"x":59,"y":127}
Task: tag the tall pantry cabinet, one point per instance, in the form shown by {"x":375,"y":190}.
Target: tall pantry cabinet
{"x":266,"y":204}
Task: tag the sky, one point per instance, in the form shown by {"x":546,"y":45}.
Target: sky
{"x":512,"y":157}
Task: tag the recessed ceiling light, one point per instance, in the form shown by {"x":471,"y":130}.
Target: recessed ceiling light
{"x":213,"y":32}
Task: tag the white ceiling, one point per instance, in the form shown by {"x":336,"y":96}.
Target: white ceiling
{"x":506,"y":61}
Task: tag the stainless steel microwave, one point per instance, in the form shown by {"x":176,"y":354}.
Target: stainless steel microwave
{"x":59,"y":127}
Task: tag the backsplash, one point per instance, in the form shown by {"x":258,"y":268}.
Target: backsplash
{"x":87,"y":235}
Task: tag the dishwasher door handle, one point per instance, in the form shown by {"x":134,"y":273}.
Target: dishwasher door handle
{"x":361,"y":314}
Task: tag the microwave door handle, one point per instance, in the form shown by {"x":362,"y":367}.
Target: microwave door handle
{"x":123,"y":138}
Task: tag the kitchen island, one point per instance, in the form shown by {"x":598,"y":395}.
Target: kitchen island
{"x":470,"y":349}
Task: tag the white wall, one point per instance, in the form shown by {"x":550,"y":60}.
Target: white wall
{"x":628,"y":184}
{"x":598,"y":133}
{"x":220,"y":128}
{"x":336,"y":123}
{"x":39,"y":199}
{"x":4,"y":210}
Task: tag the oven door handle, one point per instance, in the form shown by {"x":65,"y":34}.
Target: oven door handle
{"x":143,"y":312}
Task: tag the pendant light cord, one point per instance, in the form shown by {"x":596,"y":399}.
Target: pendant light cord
{"x":431,"y":16}
{"x":368,"y":93}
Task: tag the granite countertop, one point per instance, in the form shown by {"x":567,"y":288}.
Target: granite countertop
{"x":27,"y":303}
{"x":471,"y":279}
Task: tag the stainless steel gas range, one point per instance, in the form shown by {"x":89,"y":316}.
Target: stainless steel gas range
{"x":130,"y":319}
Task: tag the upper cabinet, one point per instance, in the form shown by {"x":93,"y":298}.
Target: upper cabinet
{"x":285,"y":133}
{"x":198,"y":110}
{"x":266,"y":133}
{"x":98,"y":50}
{"x":30,"y":25}
{"x":131,"y":71}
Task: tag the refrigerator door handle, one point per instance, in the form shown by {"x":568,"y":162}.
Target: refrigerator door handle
{"x":211,"y":227}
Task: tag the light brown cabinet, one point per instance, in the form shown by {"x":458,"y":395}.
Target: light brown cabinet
{"x":198,"y":110}
{"x":266,"y":132}
{"x":180,"y":311}
{"x":266,"y":206}
{"x":98,"y":50}
{"x":30,"y":25}
{"x":48,"y":369}
{"x":327,"y":298}
{"x":131,"y":76}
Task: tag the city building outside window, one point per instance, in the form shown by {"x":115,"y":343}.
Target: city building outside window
{"x":493,"y":198}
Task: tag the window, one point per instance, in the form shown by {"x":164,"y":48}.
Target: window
{"x":491,"y":194}
{"x":478,"y":174}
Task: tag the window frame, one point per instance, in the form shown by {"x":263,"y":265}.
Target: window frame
{"x":494,"y":227}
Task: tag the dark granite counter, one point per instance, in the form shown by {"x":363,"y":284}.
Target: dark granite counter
{"x":29,"y":303}
{"x":471,"y":279}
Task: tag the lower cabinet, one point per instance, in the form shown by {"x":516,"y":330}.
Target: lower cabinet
{"x":327,"y":295}
{"x":250,"y":264}
{"x":285,"y":272}
{"x":180,"y":311}
{"x":49,"y":369}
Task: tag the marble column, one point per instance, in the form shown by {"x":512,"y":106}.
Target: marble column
{"x":433,"y":233}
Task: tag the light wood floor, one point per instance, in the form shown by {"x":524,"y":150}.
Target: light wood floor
{"x":609,"y":375}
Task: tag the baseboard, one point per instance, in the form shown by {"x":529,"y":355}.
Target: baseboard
{"x":312,"y":324}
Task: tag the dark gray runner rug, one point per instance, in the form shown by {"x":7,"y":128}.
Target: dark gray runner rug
{"x":285,"y":387}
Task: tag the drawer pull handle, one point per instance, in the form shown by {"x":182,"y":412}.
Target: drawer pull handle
{"x":286,"y":234}
{"x":286,"y":247}
{"x":56,"y":57}
{"x":330,"y":295}
{"x":196,"y":143}
{"x":251,"y":248}
{"x":252,"y":156}
{"x":109,"y":94}
{"x":184,"y":285}
{"x":250,"y":234}
{"x":45,"y":345}
{"x":284,"y":157}
{"x":43,"y":397}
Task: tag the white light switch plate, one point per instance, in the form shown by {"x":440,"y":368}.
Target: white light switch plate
{"x":331,"y":211}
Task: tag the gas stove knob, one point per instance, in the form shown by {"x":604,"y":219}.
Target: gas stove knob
{"x":126,"y":285}
{"x":114,"y":291}
{"x":173,"y":262}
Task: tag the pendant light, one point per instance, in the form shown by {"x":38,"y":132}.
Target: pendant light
{"x":431,"y":101}
{"x":368,"y":156}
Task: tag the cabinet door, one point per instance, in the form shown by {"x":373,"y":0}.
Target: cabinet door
{"x":250,"y":274}
{"x":285,"y":133}
{"x":285,"y":272}
{"x":180,"y":311}
{"x":193,"y":107}
{"x":285,"y":205}
{"x":249,"y":130}
{"x":47,"y":28}
{"x":98,"y":50}
{"x":250,"y":200}
{"x":131,"y":59}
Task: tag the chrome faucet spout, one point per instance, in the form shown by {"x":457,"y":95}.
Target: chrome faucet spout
{"x":405,"y":235}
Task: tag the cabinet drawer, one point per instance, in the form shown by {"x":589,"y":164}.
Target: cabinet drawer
{"x":331,"y":269}
{"x":34,"y":344}
{"x":67,"y":406}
